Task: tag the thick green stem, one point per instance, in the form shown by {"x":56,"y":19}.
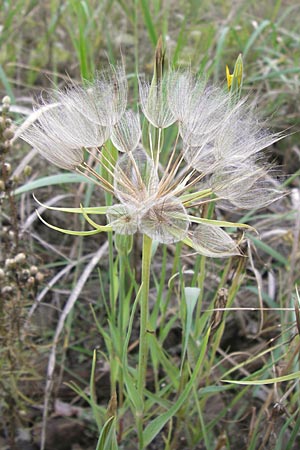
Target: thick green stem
{"x":143,"y":346}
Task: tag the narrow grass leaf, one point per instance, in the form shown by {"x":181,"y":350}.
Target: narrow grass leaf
{"x":191,"y":295}
{"x":130,"y":385}
{"x":220,"y":223}
{"x":88,"y":210}
{"x":93,"y":392}
{"x":159,"y":422}
{"x":166,"y":363}
{"x":148,"y":21}
{"x":75,"y":233}
{"x":6,"y":84}
{"x":63,"y":178}
{"x":266,"y":248}
{"x":105,"y":437}
{"x":295,"y":427}
{"x":291,"y":376}
{"x":219,"y":51}
{"x":254,"y":36}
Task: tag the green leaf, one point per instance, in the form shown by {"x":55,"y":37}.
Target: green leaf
{"x":75,"y":233}
{"x":159,"y":422}
{"x":88,"y":210}
{"x":6,"y":84}
{"x":254,"y":36}
{"x":148,"y":21}
{"x":220,"y":223}
{"x":130,"y":385}
{"x":266,"y":248}
{"x":62,"y":178}
{"x":289,"y":377}
{"x":105,"y":435}
{"x":191,"y":295}
{"x":93,"y":395}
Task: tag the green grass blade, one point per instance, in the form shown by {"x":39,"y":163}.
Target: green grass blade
{"x":159,"y":422}
{"x":269,"y":250}
{"x":75,"y":233}
{"x":148,"y":21}
{"x":105,"y":437}
{"x":254,"y":36}
{"x":62,"y":178}
{"x":191,"y":295}
{"x":6,"y":84}
{"x":291,"y":376}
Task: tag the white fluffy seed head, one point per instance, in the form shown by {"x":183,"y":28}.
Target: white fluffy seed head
{"x":183,"y":92}
{"x":154,"y":102}
{"x":52,"y":148}
{"x":213,"y":241}
{"x":72,"y":128}
{"x":123,"y":219}
{"x":166,"y":221}
{"x":127,"y":132}
{"x":103,"y":101}
{"x":135,"y":177}
{"x":217,"y":153}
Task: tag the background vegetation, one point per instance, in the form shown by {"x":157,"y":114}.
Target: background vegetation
{"x":58,"y":293}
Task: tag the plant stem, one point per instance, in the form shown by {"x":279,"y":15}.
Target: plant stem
{"x":143,"y":346}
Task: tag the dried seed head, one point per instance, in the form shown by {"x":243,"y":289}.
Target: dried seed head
{"x":33,"y":270}
{"x":31,"y":281}
{"x":8,"y":134}
{"x":11,"y":234}
{"x":20,"y":258}
{"x":39,"y":277}
{"x":10,"y":263}
{"x":7,"y":291}
{"x":216,"y":155}
{"x":24,"y":275}
{"x":7,"y":168}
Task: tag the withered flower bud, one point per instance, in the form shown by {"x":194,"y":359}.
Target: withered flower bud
{"x":20,"y":258}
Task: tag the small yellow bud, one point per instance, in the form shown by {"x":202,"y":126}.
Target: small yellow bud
{"x":234,"y":80}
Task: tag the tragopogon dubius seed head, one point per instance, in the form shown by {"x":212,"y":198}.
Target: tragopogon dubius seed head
{"x":216,"y":155}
